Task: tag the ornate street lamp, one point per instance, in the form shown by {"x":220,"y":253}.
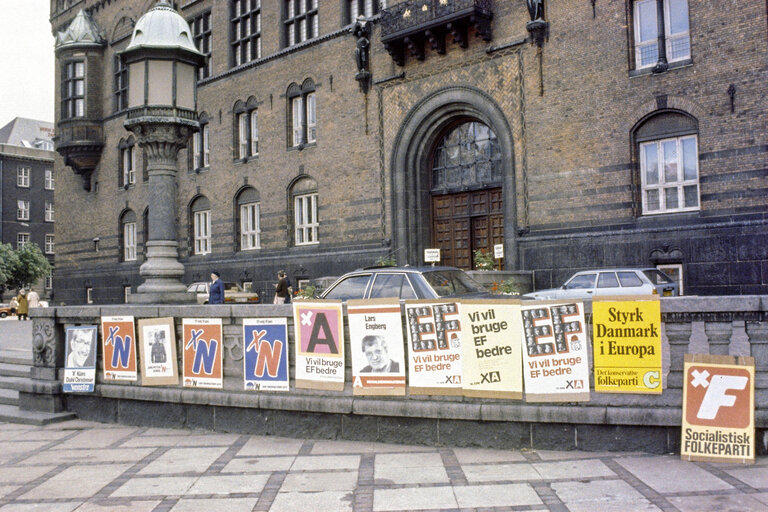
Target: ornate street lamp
{"x":162,"y":62}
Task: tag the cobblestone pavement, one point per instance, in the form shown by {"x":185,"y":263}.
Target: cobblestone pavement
{"x":86,"y":466}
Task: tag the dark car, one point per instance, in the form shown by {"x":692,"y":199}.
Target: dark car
{"x":405,"y":283}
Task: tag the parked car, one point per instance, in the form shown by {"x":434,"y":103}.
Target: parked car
{"x":5,"y":310}
{"x":615,"y":281}
{"x":233,"y":293}
{"x":405,"y":283}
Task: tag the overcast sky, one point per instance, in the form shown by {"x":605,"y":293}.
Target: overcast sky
{"x":26,"y":60}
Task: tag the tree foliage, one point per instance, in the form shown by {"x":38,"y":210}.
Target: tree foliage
{"x":22,"y":267}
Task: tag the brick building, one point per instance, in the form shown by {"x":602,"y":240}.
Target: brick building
{"x":26,"y":190}
{"x":579,"y":134}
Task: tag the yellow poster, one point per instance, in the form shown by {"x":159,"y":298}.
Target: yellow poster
{"x":626,"y":340}
{"x":718,"y":409}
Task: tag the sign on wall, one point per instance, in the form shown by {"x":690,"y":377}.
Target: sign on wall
{"x":157,"y":341}
{"x":119,"y":347}
{"x":626,"y":343}
{"x":319,"y":345}
{"x":376,"y":342}
{"x":491,"y":353}
{"x":203,"y":341}
{"x":555,"y":364}
{"x":265,"y":360}
{"x":80,"y":355}
{"x":718,"y":409}
{"x":434,"y":347}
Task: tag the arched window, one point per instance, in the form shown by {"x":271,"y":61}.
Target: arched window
{"x":248,"y":223}
{"x":201,"y":152}
{"x":246,"y":129}
{"x":302,"y":113}
{"x":667,"y":149}
{"x":304,"y":198}
{"x":128,"y":235}
{"x":467,"y":157}
{"x":200,"y":213}
{"x":127,"y":176}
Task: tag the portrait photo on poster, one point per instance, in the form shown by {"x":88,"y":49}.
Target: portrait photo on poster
{"x":81,"y":347}
{"x":157,"y":344}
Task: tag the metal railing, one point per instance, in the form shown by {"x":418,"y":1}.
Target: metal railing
{"x":415,"y":13}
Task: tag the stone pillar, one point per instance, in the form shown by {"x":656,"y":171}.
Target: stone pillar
{"x":679,"y":336}
{"x":42,"y":392}
{"x":719,"y":336}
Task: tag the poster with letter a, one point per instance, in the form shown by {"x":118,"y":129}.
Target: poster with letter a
{"x":119,"y":344}
{"x":202,"y":342}
{"x":376,"y":342}
{"x":492,"y":361}
{"x":434,"y":347}
{"x":718,"y":409}
{"x":265,"y":360}
{"x":626,"y":344}
{"x":319,"y":331}
{"x":555,"y":364}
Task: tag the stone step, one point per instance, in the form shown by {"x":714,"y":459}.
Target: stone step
{"x":14,"y":370}
{"x":12,"y":356}
{"x":9,"y":397}
{"x":12,"y":414}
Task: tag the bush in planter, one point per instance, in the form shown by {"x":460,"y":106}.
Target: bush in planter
{"x":508,"y":287}
{"x":483,"y":260}
{"x":306,"y":293}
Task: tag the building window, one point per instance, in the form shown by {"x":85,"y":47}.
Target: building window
{"x":303,"y":114}
{"x":121,"y":84}
{"x":201,"y":225}
{"x":670,"y":175}
{"x":676,"y":43}
{"x":49,"y":182}
{"x":88,"y":295}
{"x":49,"y":211}
{"x":48,"y":284}
{"x":49,"y":244}
{"x":126,"y":294}
{"x":73,"y":90}
{"x":305,"y":219}
{"x":246,"y":129}
{"x":22,"y":177}
{"x":467,"y":157}
{"x":246,"y":31}
{"x":365,"y":8}
{"x":22,"y":210}
{"x":201,"y":148}
{"x":127,"y":163}
{"x":300,"y":21}
{"x":248,"y":208}
{"x":22,"y":239}
{"x":201,"y":34}
{"x":128,"y":235}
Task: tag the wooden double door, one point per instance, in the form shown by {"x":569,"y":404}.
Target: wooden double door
{"x":465,"y":222}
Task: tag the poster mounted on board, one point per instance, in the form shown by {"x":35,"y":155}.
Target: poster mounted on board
{"x":265,"y":359}
{"x":80,"y":355}
{"x":492,"y":358}
{"x":376,"y":342}
{"x":119,"y":348}
{"x":555,"y":364}
{"x":203,"y":341}
{"x":157,"y":344}
{"x":626,"y":343}
{"x":434,"y":347}
{"x":319,"y":331}
{"x":718,"y":409}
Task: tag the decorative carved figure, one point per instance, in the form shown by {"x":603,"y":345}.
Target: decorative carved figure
{"x":362,"y":31}
{"x":535,"y":9}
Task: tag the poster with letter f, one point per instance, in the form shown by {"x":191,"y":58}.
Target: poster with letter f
{"x":265,"y":360}
{"x":118,"y":334}
{"x":555,"y":364}
{"x":376,"y":343}
{"x":319,"y":331}
{"x":202,"y":342}
{"x":80,"y":355}
{"x":718,"y":409}
{"x":434,"y":347}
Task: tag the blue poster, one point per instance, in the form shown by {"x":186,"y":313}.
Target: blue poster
{"x":266,"y":354}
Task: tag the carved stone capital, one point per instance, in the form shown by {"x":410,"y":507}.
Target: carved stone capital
{"x":161,"y":140}
{"x":46,"y":351}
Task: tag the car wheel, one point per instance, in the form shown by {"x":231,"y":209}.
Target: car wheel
{"x":3,"y":314}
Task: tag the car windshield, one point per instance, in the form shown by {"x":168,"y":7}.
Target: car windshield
{"x":657,"y":277}
{"x":452,"y":282}
{"x":581,"y":282}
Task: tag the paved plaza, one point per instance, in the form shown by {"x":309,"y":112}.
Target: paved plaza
{"x":86,"y":466}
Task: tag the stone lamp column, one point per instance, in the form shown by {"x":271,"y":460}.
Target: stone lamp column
{"x":162,"y":62}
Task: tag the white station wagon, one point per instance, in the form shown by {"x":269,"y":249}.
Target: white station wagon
{"x":612,"y":281}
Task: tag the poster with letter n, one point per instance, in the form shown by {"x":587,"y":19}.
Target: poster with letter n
{"x":555,"y":364}
{"x":434,"y":347}
{"x":157,"y":351}
{"x":626,"y":344}
{"x":718,"y":409}
{"x":119,"y":348}
{"x":319,"y":328}
{"x":492,"y":359}
{"x":376,"y":342}
{"x":203,"y":341}
{"x":265,"y":359}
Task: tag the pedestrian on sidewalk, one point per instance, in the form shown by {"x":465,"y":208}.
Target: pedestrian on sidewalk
{"x":216,"y":295}
{"x":33,"y":299}
{"x":282,"y":288}
{"x":14,"y":305}
{"x":23,"y":308}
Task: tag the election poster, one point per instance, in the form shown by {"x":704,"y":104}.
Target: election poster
{"x":555,"y":359}
{"x":434,"y":347}
{"x":80,"y":355}
{"x":626,"y":344}
{"x":492,"y":359}
{"x":203,"y":341}
{"x":265,"y":360}
{"x":118,"y":334}
{"x":157,"y":344}
{"x":319,"y":345}
{"x":376,"y":342}
{"x":718,"y":409}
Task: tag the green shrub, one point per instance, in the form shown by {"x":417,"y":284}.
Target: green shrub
{"x":483,"y":260}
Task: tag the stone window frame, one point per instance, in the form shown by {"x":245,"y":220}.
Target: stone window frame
{"x":200,"y":217}
{"x":73,"y":90}
{"x":127,"y":163}
{"x":201,"y":35}
{"x":663,"y":61}
{"x":247,"y":198}
{"x":22,"y":209}
{"x":200,"y":156}
{"x":300,"y":21}
{"x":301,"y":108}
{"x":23,"y":176}
{"x":120,"y":84}
{"x":128,"y":239}
{"x":304,"y":200}
{"x":50,"y":244}
{"x":246,"y":129}
{"x":49,"y":211}
{"x":249,"y":16}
